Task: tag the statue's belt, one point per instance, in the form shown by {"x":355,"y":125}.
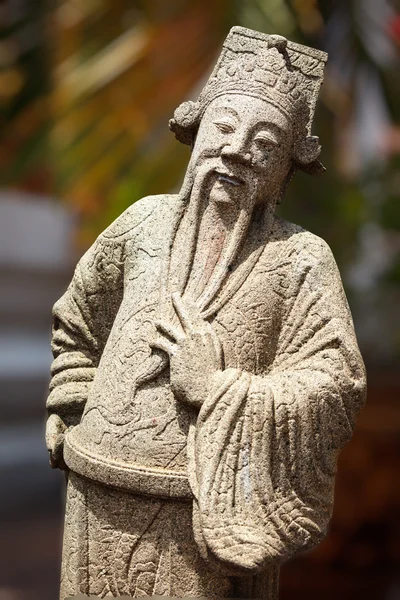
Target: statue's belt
{"x":148,"y":481}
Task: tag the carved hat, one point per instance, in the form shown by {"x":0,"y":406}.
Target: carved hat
{"x":269,"y":67}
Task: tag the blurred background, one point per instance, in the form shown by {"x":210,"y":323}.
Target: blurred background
{"x":86,"y":91}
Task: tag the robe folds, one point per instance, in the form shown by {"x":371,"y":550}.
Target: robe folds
{"x":258,"y":460}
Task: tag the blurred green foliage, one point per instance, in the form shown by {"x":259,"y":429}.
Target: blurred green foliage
{"x":24,"y":93}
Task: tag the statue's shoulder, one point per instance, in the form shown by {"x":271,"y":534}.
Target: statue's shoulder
{"x":300,"y":242}
{"x":144,"y":213}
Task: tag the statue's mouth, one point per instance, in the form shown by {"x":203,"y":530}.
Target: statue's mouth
{"x":228,"y":178}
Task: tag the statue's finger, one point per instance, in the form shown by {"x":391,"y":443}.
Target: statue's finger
{"x":217,"y":347}
{"x":166,"y":329}
{"x":183,"y":313}
{"x":165,"y":345}
{"x":54,"y":427}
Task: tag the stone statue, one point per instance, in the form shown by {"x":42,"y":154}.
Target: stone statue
{"x":206,"y":370}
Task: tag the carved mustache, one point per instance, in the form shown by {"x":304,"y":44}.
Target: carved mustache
{"x":227,"y":169}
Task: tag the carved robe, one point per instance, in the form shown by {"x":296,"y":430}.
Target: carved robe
{"x":257,"y":462}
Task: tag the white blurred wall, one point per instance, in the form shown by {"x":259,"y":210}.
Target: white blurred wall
{"x":36,"y":262}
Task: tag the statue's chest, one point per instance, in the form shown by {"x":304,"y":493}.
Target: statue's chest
{"x":248,"y":326}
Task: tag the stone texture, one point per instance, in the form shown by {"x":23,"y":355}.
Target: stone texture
{"x":206,"y":371}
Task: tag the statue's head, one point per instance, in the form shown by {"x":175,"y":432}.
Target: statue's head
{"x":251,"y":126}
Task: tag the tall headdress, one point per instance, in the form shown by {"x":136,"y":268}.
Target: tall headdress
{"x":269,"y":67}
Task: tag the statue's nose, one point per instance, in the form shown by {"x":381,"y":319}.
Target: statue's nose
{"x":236,"y":149}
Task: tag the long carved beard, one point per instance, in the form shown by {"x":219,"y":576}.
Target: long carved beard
{"x":184,"y":237}
{"x":231,"y":238}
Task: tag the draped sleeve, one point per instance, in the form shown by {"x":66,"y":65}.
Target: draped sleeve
{"x":263,"y":452}
{"x":82,"y":320}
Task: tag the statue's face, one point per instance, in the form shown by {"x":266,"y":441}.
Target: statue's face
{"x":247,"y":145}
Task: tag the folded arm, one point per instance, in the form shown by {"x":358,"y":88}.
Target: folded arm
{"x":265,"y":448}
{"x":82,"y":321}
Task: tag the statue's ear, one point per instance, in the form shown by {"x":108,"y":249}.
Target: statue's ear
{"x":185,"y":122}
{"x":307,"y":150}
{"x":306,"y":154}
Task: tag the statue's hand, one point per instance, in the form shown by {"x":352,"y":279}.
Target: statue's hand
{"x":194,"y":353}
{"x":55,"y":431}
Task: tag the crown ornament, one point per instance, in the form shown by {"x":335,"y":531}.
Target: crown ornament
{"x":270,"y":67}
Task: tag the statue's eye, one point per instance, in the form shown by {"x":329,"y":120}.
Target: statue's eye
{"x":265,"y":141}
{"x":224,"y":126}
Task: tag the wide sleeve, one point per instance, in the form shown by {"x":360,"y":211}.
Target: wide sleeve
{"x":264,"y":450}
{"x":82,"y":320}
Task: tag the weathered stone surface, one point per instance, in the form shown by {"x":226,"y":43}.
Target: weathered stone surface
{"x":206,"y":370}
